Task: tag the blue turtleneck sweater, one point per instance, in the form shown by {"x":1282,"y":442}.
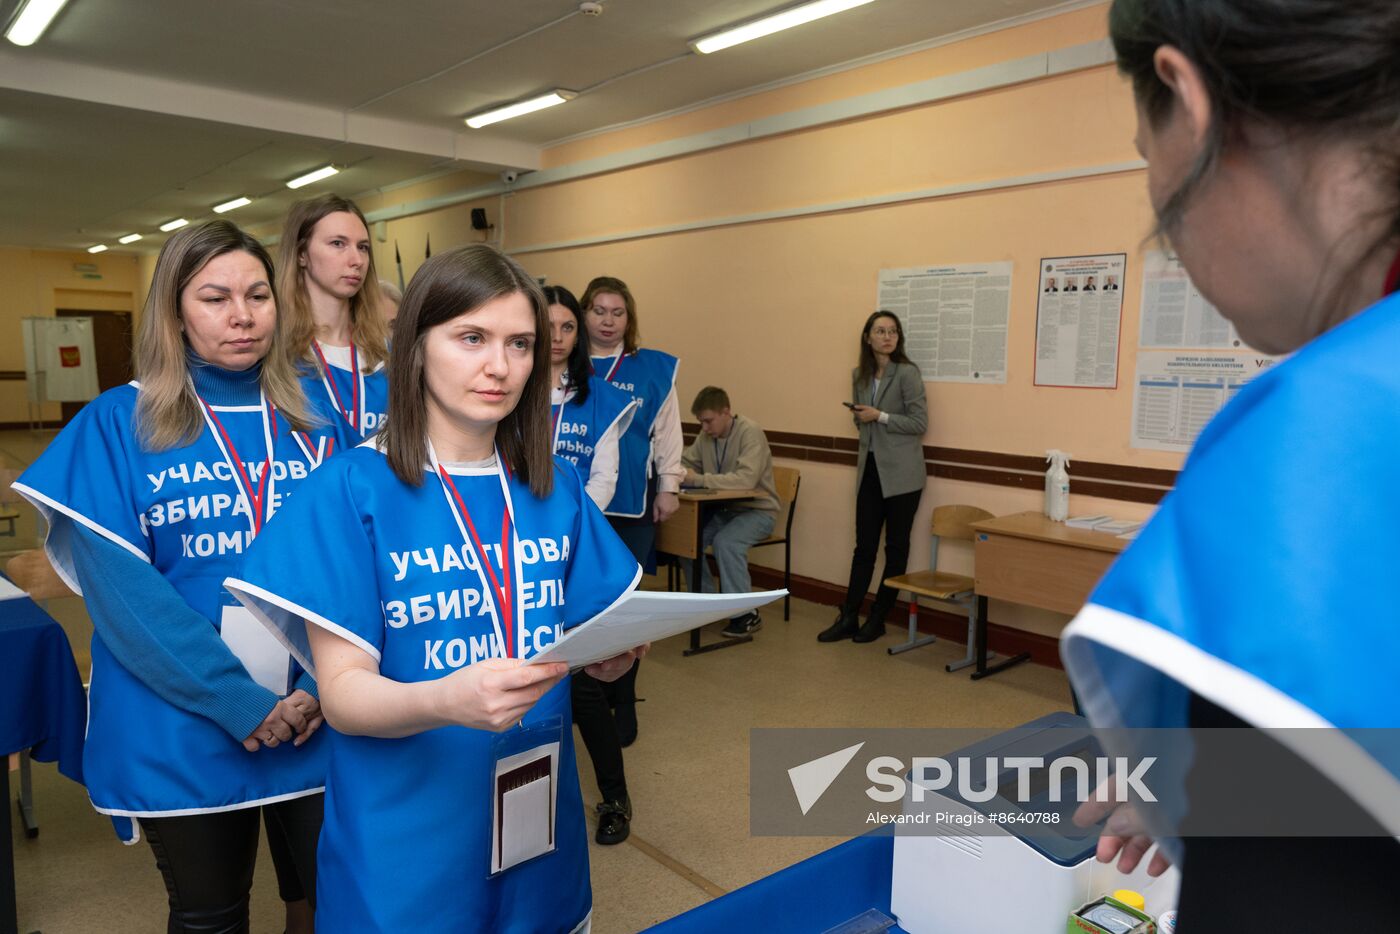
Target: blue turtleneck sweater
{"x":149,"y":627}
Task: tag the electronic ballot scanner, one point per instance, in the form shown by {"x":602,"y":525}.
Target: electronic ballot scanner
{"x":1015,"y":861}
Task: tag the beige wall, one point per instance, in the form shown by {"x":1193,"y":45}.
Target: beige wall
{"x":34,"y":283}
{"x":771,"y":310}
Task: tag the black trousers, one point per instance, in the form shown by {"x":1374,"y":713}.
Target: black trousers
{"x":896,"y":515}
{"x":207,"y":861}
{"x":595,"y":722}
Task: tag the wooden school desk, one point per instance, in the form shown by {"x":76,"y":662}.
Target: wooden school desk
{"x":683,"y":535}
{"x":1026,"y":558}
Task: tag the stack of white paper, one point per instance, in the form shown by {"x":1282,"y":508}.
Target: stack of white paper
{"x":1118,"y":526}
{"x":1087,"y":522}
{"x":647,"y":616}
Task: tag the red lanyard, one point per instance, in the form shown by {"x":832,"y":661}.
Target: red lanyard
{"x":500,"y":587}
{"x":255,"y":496}
{"x":1392,"y":278}
{"x":351,"y":416}
{"x":612,"y":370}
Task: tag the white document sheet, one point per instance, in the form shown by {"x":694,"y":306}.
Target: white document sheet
{"x":647,"y":616}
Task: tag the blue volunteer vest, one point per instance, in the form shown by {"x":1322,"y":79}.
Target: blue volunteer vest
{"x":648,"y":375}
{"x":407,"y":831}
{"x":362,"y":399}
{"x":1266,"y":581}
{"x":578,"y":426}
{"x":182,"y":511}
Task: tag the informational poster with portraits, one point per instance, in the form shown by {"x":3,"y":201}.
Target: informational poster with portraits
{"x":1078,"y":321}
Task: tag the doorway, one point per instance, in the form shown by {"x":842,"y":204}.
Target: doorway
{"x":111,"y":341}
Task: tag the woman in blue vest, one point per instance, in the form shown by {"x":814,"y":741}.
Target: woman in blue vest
{"x":590,"y":415}
{"x":327,"y":281}
{"x":650,"y":474}
{"x":152,"y":495}
{"x":461,"y":548}
{"x":588,"y":424}
{"x":1270,"y":130}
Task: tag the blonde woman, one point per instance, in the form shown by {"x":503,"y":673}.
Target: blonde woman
{"x":333,"y":300}
{"x":152,"y":495}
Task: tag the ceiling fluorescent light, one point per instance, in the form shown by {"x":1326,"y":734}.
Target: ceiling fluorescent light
{"x":99,"y":248}
{"x":176,"y":224}
{"x":775,"y":23}
{"x":230,"y":205}
{"x":34,"y":17}
{"x":129,"y":238}
{"x":325,"y":171}
{"x":557,"y":96}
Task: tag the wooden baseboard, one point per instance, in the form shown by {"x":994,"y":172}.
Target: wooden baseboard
{"x":25,"y":426}
{"x":1044,"y":650}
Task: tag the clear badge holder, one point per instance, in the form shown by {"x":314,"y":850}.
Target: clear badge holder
{"x":524,"y":789}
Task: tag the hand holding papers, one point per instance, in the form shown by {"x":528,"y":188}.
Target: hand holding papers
{"x":645,"y":616}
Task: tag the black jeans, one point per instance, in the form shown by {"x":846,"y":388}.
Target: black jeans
{"x":896,"y":515}
{"x":207,"y":860}
{"x":599,"y":732}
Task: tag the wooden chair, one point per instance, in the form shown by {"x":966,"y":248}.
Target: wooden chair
{"x":32,"y":573}
{"x":787,"y":480}
{"x":8,"y":499}
{"x":954,"y":523}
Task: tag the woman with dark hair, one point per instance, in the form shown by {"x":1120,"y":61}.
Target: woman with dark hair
{"x":198,"y":720}
{"x":891,"y":413}
{"x":462,"y":548}
{"x":590,"y":415}
{"x":1271,"y":130}
{"x":334,"y":300}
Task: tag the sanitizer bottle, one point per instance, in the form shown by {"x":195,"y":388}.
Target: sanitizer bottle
{"x":1057,"y":486}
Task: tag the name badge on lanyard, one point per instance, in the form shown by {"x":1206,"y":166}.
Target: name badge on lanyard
{"x":507,"y":615}
{"x":268,"y":662}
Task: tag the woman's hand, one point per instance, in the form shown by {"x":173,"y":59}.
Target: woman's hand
{"x":310,"y":708}
{"x":610,"y":669}
{"x":283,"y":722}
{"x":497,"y":693}
{"x":865,"y":413}
{"x":1124,"y":836}
{"x":665,"y":506}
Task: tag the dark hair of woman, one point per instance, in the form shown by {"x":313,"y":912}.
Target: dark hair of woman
{"x":1319,"y":68}
{"x":445,"y":287}
{"x":580,"y":366}
{"x":868,"y":365}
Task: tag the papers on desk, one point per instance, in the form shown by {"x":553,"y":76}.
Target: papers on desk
{"x":1119,"y":527}
{"x":647,"y":616}
{"x":9,"y":591}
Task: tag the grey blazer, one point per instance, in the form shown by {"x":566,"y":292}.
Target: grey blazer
{"x":898,"y":445}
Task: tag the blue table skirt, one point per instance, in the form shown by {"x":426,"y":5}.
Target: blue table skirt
{"x":42,"y":703}
{"x":810,"y":897}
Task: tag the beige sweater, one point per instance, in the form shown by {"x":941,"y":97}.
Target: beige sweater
{"x":747,"y":463}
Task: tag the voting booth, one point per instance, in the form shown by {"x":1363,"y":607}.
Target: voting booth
{"x":60,"y":362}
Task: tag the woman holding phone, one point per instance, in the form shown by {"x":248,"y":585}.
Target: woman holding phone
{"x":891,"y":412}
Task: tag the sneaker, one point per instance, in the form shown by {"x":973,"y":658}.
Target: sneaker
{"x":614,"y":821}
{"x":745,"y":625}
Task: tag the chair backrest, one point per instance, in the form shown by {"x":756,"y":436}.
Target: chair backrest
{"x":8,"y":496}
{"x":786,"y":480}
{"x":956,"y":521}
{"x":32,"y":573}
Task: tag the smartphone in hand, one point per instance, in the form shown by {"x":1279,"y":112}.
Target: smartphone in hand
{"x":849,"y":405}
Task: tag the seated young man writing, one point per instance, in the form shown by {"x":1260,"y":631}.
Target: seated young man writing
{"x":731,"y":453}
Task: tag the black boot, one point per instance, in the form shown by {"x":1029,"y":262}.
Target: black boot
{"x":873,"y":629}
{"x":843,"y":628}
{"x":614,"y":821}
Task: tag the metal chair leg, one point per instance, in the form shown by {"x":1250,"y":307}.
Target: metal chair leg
{"x":971,"y":656}
{"x":787,"y":580}
{"x":914,"y":641}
